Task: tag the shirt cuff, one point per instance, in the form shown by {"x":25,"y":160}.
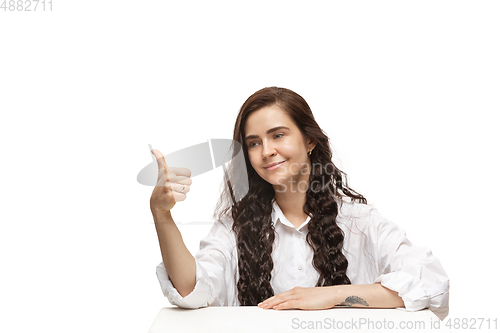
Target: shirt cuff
{"x":415,"y":294}
{"x":196,"y":299}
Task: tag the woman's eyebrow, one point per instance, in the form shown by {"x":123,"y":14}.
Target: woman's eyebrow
{"x":253,"y":136}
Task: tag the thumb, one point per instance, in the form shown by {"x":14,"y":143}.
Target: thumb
{"x":162,"y":164}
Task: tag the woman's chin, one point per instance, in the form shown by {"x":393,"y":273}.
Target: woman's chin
{"x":277,"y":182}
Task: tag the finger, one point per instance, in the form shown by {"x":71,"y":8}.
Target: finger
{"x":266,"y":301}
{"x":180,"y":171}
{"x":278,"y":299}
{"x":275,"y":303}
{"x":179,"y":188}
{"x":271,"y":303}
{"x":179,"y":196}
{"x":283,"y":295}
{"x":288,"y":305}
{"x":284,"y":305}
{"x":270,"y":299}
{"x":173,"y":178}
{"x":160,"y":159}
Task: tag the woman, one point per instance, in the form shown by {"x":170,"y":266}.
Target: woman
{"x":300,"y":238}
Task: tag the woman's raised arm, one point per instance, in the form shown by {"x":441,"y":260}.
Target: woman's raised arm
{"x":172,"y":186}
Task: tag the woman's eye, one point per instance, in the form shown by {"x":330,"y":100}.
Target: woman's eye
{"x":253,"y":144}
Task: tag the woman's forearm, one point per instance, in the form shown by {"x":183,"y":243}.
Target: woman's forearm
{"x":179,"y":263}
{"x":366,"y":295}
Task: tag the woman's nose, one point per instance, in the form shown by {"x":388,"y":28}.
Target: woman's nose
{"x":268,"y":149}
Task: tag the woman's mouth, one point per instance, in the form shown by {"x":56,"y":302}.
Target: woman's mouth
{"x":276,"y":166}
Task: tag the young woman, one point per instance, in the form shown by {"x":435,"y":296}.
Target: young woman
{"x":300,"y":238}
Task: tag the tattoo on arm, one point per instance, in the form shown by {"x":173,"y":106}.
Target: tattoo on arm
{"x":349,"y":301}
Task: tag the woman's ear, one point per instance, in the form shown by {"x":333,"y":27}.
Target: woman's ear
{"x":312,"y":144}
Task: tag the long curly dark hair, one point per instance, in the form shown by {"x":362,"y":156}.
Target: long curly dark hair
{"x":253,"y":225}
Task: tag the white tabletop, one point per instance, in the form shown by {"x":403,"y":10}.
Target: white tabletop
{"x":254,"y":319}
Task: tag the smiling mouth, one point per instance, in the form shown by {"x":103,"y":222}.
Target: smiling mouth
{"x":275,"y":166}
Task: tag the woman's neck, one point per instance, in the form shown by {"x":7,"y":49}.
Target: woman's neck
{"x":291,"y":204}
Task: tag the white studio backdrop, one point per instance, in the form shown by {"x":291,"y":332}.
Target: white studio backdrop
{"x":407,"y":91}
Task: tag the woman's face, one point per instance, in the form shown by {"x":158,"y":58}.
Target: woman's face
{"x":271,"y":136}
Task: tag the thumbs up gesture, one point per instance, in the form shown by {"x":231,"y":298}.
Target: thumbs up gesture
{"x":171,"y":187}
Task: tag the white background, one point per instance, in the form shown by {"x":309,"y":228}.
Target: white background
{"x":407,"y":91}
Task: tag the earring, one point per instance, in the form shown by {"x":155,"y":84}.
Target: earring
{"x":310,"y":151}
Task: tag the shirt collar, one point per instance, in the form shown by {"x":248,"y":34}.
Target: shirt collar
{"x":278,"y":215}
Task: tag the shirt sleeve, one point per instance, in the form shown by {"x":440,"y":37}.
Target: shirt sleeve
{"x":215,"y":267}
{"x":411,"y":270}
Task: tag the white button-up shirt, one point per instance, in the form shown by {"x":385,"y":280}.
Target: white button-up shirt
{"x":377,"y":251}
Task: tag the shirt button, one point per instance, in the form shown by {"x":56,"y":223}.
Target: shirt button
{"x":300,"y":268}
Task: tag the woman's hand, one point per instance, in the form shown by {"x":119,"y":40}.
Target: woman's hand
{"x":317,"y":298}
{"x":171,"y":187}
